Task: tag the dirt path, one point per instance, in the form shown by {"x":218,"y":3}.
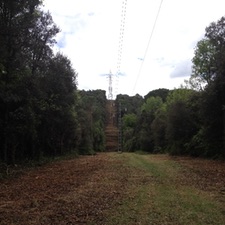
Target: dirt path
{"x":114,"y":189}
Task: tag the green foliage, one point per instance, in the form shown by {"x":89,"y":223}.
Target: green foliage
{"x":41,"y":112}
{"x":92,"y":119}
{"x":99,"y":136}
{"x":151,"y":105}
{"x":210,"y":63}
{"x":212,"y":121}
{"x":204,"y":64}
{"x":177,"y":95}
{"x":129,"y":124}
{"x":129,"y":104}
{"x":188,"y":121}
{"x":143,"y":131}
{"x":177,"y":130}
{"x":158,"y":127}
{"x":182,"y":121}
{"x":161,"y":92}
{"x":130,"y":120}
{"x":58,"y":119}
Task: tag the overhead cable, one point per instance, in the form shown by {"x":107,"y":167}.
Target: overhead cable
{"x":121,"y":39}
{"x":146,"y":50}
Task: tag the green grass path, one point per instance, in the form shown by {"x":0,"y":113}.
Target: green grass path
{"x":157,"y":193}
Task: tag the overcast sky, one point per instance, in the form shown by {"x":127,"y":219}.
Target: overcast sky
{"x":90,"y":34}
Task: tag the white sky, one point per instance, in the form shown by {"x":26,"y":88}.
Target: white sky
{"x":90,"y":38}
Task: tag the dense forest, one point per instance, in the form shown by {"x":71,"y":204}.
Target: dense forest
{"x":41,"y":111}
{"x":189,"y":120}
{"x":43,"y":114}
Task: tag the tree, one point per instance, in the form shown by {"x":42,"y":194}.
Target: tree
{"x":41,"y":39}
{"x":151,"y":105}
{"x":161,"y":92}
{"x":209,"y":62}
{"x":181,"y":125}
{"x":130,"y":104}
{"x":57,"y":113}
{"x":129,"y":122}
{"x":144,"y":130}
{"x":92,"y":118}
{"x":158,"y":128}
{"x":204,"y":63}
{"x":16,"y":115}
{"x":37,"y":89}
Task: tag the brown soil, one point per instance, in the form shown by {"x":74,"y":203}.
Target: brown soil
{"x":206,"y":175}
{"x":67,"y":192}
{"x":82,"y":190}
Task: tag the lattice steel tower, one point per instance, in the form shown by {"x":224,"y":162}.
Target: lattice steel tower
{"x":110,"y":89}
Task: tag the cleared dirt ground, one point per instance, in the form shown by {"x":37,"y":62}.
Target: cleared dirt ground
{"x":85,"y":189}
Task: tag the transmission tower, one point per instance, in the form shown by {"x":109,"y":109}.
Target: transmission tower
{"x":110,"y":89}
{"x":109,"y":76}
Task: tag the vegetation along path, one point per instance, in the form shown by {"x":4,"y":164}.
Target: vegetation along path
{"x":112,"y":188}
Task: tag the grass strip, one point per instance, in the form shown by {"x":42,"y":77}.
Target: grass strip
{"x":156,"y":196}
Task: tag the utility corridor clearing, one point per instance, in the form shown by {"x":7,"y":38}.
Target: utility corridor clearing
{"x":112,"y":189}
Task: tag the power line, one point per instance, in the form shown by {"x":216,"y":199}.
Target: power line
{"x":146,"y":50}
{"x":121,"y":40}
{"x":119,"y":59}
{"x":118,"y":73}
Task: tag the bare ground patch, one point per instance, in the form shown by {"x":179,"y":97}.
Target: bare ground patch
{"x":67,"y":192}
{"x":206,"y":175}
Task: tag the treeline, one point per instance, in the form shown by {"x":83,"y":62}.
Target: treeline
{"x":43,"y":114}
{"x":185,"y":121}
{"x":41,"y":111}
